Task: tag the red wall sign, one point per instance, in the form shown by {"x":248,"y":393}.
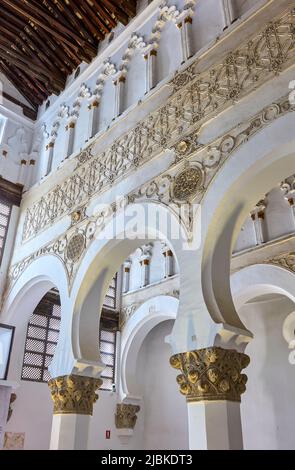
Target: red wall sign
{"x":108,"y":434}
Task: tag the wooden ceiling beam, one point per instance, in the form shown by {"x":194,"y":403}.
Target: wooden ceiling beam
{"x":104,"y":13}
{"x":44,"y":83}
{"x":118,"y":12}
{"x":27,"y":94}
{"x":23,"y":61}
{"x":97,"y":20}
{"x":42,"y":41}
{"x":33,"y":11}
{"x":76,"y":22}
{"x":15,"y":5}
{"x":129,"y":6}
{"x":49,"y":48}
{"x":92,"y":27}
{"x":30,"y":88}
{"x":27,"y":60}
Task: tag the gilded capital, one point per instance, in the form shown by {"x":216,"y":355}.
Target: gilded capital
{"x":125,"y":418}
{"x":211,"y":374}
{"x":74,"y":394}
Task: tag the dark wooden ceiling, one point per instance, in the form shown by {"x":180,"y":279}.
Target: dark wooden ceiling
{"x":43,"y":41}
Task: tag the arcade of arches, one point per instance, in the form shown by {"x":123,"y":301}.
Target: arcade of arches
{"x":147,"y":233}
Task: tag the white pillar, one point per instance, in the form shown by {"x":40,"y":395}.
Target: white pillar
{"x":215,"y":425}
{"x":119,"y":95}
{"x":169,"y":263}
{"x":126,"y":276}
{"x":22,"y":172}
{"x":150,"y":71}
{"x":211,"y":379}
{"x":31,"y":173}
{"x":228,"y":12}
{"x":257,"y":216}
{"x":185,"y":27}
{"x":145,"y":272}
{"x":73,"y":397}
{"x":50,"y":151}
{"x":93,"y":118}
{"x":289,"y":193}
{"x":69,"y":432}
{"x":70,"y":137}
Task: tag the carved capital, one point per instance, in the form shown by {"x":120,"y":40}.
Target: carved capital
{"x":125,"y":418}
{"x":74,"y":394}
{"x":211,"y":374}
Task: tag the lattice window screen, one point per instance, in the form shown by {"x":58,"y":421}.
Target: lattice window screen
{"x":41,"y":341}
{"x":110,"y":298}
{"x":107,"y":345}
{"x":5,"y":212}
{"x":42,"y":338}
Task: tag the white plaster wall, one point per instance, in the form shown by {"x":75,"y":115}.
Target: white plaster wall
{"x":32,"y":414}
{"x":268,"y":415}
{"x":165,"y":413}
{"x":104,"y":419}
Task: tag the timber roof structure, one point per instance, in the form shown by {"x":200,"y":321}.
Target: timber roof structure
{"x":43,"y":41}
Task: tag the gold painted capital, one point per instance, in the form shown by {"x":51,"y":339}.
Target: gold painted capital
{"x":125,"y":418}
{"x":211,"y":374}
{"x":74,"y":394}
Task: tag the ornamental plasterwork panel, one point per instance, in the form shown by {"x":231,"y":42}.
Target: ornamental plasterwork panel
{"x":207,"y":160}
{"x":195,"y":166}
{"x":197,"y":97}
{"x":284,"y":260}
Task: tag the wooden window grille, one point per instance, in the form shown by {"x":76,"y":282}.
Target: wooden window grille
{"x":110,"y":300}
{"x":42,"y":336}
{"x":43,"y":331}
{"x":107,"y":346}
{"x":5,"y":213}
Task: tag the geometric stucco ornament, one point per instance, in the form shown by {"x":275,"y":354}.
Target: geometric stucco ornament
{"x":211,"y":374}
{"x":187,"y":183}
{"x":74,"y":394}
{"x":125,"y":418}
{"x":75,"y":247}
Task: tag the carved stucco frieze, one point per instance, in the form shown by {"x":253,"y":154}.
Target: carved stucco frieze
{"x":74,"y":394}
{"x":125,"y":417}
{"x":283,"y":260}
{"x":206,"y":159}
{"x":211,"y":374}
{"x":196,"y":99}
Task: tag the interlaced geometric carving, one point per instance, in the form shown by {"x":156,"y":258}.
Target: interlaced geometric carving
{"x":200,"y":97}
{"x":187,"y":183}
{"x":75,"y":247}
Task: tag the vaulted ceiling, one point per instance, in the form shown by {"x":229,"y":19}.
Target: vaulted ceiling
{"x":43,"y":41}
